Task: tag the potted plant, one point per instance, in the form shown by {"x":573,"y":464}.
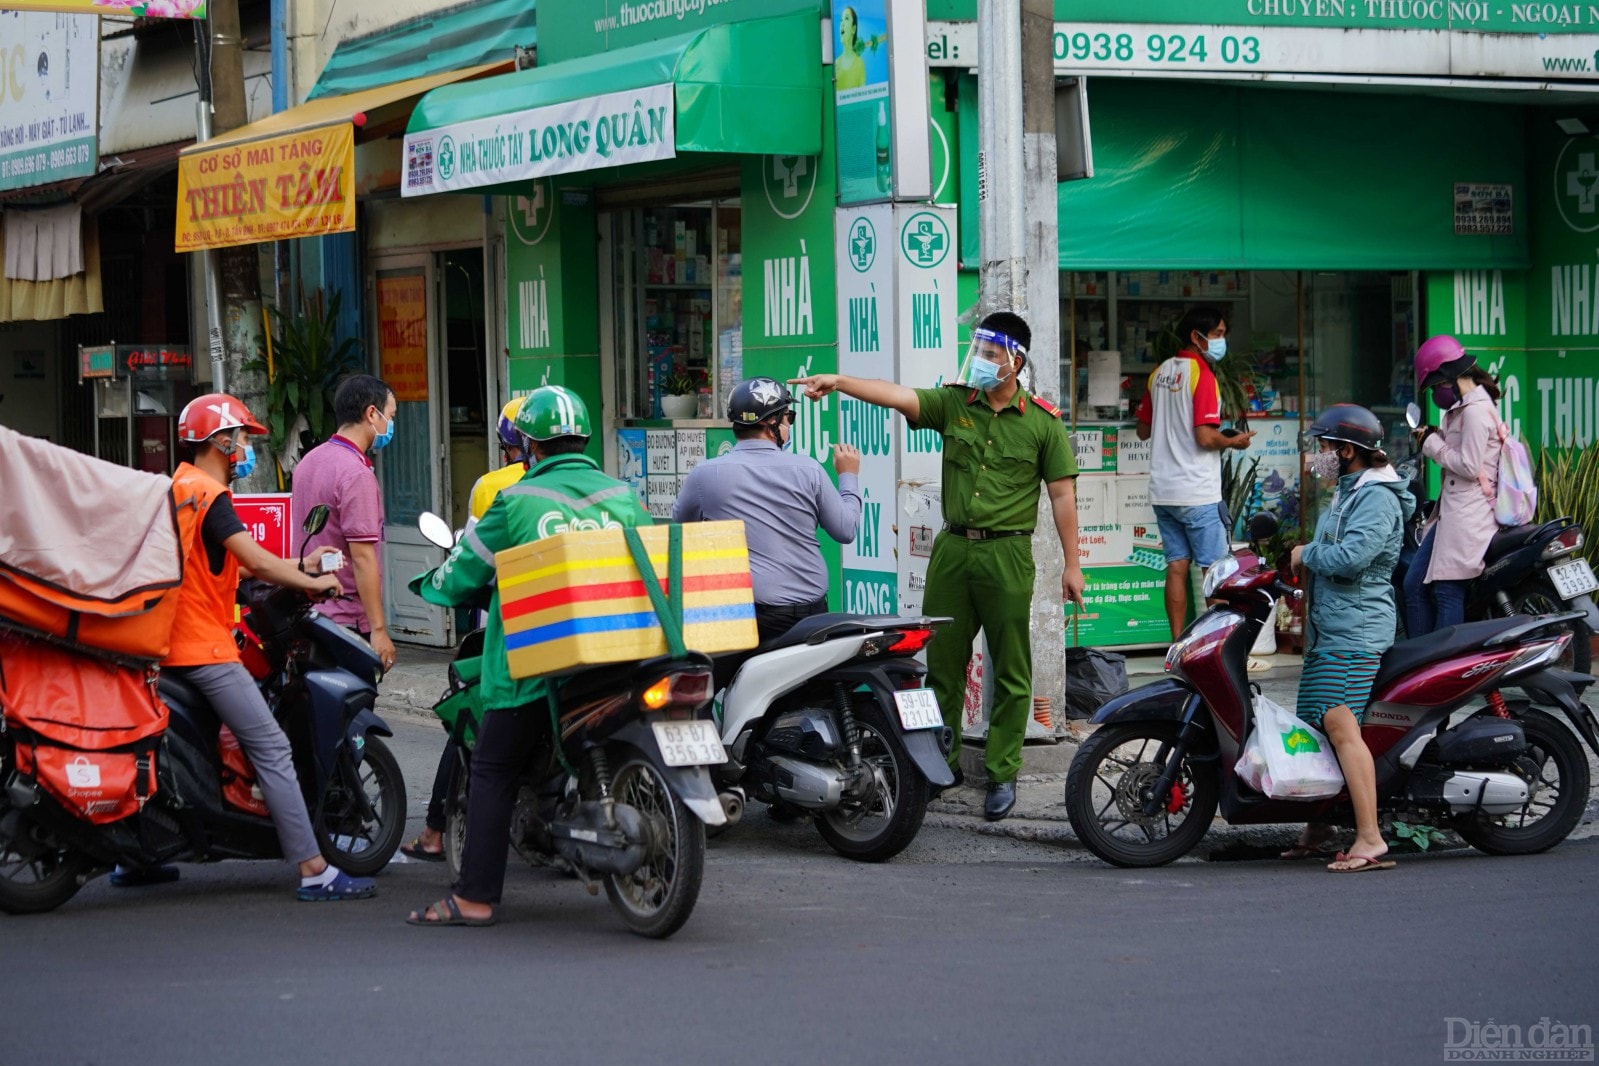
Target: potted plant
{"x":679,"y":393}
{"x":308,"y":359}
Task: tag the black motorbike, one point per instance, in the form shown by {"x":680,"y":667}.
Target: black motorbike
{"x":1533,"y":569}
{"x":320,"y":681}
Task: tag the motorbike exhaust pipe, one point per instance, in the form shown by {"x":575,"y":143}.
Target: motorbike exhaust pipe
{"x":732,"y":805}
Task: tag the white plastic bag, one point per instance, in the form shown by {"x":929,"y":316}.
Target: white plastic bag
{"x":1287,"y":759}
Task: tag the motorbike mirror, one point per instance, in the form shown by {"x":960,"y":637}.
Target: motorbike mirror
{"x":1263,"y":526}
{"x":315,"y":520}
{"x":436,"y":530}
{"x":1412,"y":416}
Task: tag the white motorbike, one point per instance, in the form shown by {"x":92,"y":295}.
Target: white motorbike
{"x":834,"y":720}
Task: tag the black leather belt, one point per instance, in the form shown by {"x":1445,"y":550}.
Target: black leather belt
{"x":985,"y":534}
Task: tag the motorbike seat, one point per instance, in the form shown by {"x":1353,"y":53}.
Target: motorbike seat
{"x":817,"y":625}
{"x":1408,"y":655}
{"x":173,"y":688}
{"x":1508,"y":540}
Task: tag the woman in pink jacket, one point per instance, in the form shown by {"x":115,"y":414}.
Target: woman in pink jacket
{"x":1467,"y":451}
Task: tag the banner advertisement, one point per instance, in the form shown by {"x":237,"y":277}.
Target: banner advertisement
{"x":150,"y":9}
{"x":865,"y":268}
{"x":266,"y":518}
{"x":610,"y":130}
{"x":1192,"y":47}
{"x":403,"y":334}
{"x":298,"y":185}
{"x":862,"y":132}
{"x":49,"y":97}
{"x":1540,"y":17}
{"x":573,"y":28}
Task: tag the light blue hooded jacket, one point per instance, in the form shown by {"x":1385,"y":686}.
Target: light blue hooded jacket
{"x":1351,"y":561}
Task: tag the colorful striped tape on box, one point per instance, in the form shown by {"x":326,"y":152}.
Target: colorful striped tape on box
{"x":577,"y":599}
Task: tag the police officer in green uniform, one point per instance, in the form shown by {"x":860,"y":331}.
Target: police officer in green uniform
{"x":563,"y":490}
{"x":1000,"y":442}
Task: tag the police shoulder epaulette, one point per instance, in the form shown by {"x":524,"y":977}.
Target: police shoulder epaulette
{"x":1047,"y":407}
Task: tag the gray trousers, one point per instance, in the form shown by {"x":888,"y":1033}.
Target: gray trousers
{"x":232,"y":693}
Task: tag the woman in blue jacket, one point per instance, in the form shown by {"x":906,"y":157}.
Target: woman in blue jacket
{"x":1349,"y":569}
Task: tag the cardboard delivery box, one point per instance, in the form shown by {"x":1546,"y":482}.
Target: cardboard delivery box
{"x":577,"y":599}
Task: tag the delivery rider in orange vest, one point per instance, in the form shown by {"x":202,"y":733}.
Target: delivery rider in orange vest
{"x":214,"y":427}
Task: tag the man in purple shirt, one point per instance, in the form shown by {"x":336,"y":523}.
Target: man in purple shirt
{"x":782,"y":498}
{"x":338,"y":472}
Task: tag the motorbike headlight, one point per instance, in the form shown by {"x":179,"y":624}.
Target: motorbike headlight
{"x":1220,"y":571}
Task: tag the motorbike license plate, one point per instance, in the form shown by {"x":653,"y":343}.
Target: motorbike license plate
{"x":1573,"y":579}
{"x":918,"y":708}
{"x":689,"y":743}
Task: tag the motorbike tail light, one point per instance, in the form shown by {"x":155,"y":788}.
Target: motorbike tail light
{"x":687,"y":688}
{"x":910,"y":641}
{"x":1566,"y":541}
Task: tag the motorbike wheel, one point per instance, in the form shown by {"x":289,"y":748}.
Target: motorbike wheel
{"x":657,"y":898}
{"x":33,"y":877}
{"x":358,"y":845}
{"x":1556,"y":768}
{"x":1105,"y":791}
{"x":455,"y":823}
{"x":883,"y":829}
{"x":1541,"y":598}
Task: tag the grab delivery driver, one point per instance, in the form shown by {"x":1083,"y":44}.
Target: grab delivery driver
{"x":215,"y":547}
{"x":563,"y":490}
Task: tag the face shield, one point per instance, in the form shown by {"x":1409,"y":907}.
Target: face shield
{"x":992,"y":359}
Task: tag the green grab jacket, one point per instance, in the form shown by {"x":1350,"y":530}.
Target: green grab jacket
{"x":561,"y":494}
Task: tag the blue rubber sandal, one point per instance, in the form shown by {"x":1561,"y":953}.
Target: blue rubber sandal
{"x":341,"y":888}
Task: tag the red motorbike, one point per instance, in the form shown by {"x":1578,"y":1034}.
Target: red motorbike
{"x":1450,"y":745}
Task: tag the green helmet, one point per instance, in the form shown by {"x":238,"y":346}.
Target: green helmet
{"x":553,"y":411}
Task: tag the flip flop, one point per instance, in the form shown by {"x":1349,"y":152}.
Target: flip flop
{"x":1367,"y":863}
{"x":448,"y":906}
{"x":415,"y":850}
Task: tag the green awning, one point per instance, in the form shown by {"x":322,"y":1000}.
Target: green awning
{"x":484,"y":31}
{"x":752,"y":87}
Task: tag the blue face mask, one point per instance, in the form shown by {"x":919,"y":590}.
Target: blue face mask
{"x":246,"y":464}
{"x":381,"y":441}
{"x":985,"y":375}
{"x":1215,"y":348}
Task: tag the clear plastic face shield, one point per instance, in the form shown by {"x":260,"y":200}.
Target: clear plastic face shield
{"x":992,"y":360}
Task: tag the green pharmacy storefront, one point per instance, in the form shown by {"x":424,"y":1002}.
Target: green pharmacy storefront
{"x":1336,"y":211}
{"x":638,"y":184}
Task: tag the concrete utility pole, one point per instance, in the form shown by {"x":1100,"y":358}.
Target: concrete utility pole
{"x":240,"y":267}
{"x":1020,"y":241}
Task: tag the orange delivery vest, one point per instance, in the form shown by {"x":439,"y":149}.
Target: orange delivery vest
{"x":202,"y":632}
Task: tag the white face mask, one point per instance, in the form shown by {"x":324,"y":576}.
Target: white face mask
{"x":1215,"y":348}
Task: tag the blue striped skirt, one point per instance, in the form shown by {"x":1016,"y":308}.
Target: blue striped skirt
{"x":1331,"y":679}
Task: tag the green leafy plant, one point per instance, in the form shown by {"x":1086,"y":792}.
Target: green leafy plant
{"x":1422,"y":836}
{"x":1237,"y":483}
{"x":680,"y":382}
{"x":308,"y":359}
{"x":1568,"y":487}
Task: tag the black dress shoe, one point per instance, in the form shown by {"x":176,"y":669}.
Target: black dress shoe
{"x":1001,"y":798}
{"x":936,"y":791}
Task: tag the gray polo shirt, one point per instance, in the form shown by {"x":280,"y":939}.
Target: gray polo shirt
{"x":782,"y":498}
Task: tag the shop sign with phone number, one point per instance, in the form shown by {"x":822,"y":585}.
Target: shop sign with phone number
{"x":1111,"y":47}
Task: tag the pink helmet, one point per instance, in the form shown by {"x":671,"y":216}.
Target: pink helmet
{"x":1434,"y":355}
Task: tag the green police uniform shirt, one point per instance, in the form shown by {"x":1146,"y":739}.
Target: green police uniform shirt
{"x":559,"y":495}
{"x":995,"y":460}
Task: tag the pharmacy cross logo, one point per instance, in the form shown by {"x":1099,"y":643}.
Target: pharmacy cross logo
{"x":447,"y":157}
{"x":925,"y":239}
{"x":1577,"y":184}
{"x":862,"y":245}
{"x":789,"y":182}
{"x":530,"y":214}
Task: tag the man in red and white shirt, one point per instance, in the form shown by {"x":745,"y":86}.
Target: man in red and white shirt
{"x":338,"y":472}
{"x":1182,"y":413}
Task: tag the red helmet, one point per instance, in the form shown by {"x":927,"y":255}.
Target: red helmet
{"x":205,"y":416}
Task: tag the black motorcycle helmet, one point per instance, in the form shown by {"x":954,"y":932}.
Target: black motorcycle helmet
{"x":758,"y":400}
{"x":1348,"y":423}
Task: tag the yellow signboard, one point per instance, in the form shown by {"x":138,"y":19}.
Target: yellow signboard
{"x":154,"y":9}
{"x":300,"y":184}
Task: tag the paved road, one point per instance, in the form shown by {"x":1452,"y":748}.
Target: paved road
{"x":969,"y":948}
